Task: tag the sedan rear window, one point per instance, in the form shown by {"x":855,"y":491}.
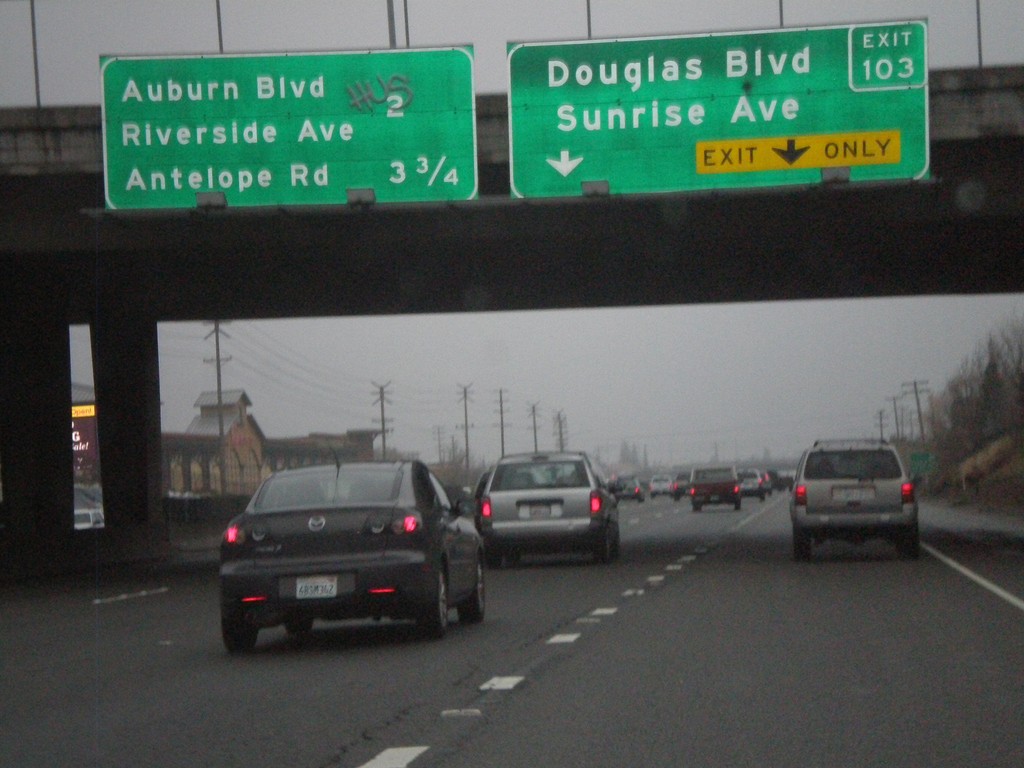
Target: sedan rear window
{"x":852,"y":465}
{"x":351,"y":485}
{"x":551,"y":474}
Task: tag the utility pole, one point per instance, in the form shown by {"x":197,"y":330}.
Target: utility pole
{"x":881,"y":424}
{"x":219,"y":361}
{"x":895,"y":413}
{"x":561,"y":427}
{"x":533,"y":415}
{"x":465,"y":419}
{"x":918,"y":386}
{"x":438,"y":431}
{"x":501,"y":418}
{"x":382,"y":398}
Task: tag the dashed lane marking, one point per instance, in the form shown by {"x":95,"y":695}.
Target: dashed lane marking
{"x":502,"y":683}
{"x":396,"y":757}
{"x":604,"y":611}
{"x":568,"y":638}
{"x":129,"y":596}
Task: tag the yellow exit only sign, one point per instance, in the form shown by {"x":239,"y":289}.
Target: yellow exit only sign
{"x":831,"y":150}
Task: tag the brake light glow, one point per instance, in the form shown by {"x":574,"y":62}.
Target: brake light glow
{"x":800,"y":495}
{"x":595,"y":502}
{"x":907,"y":492}
{"x":736,"y":489}
{"x":255,"y":599}
{"x":234,"y":535}
{"x":485,"y":507}
{"x":407,"y":524}
{"x":383,"y":591}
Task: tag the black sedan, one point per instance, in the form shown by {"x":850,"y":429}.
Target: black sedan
{"x":354,"y":540}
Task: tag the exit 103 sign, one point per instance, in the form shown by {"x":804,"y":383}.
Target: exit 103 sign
{"x":724,"y":110}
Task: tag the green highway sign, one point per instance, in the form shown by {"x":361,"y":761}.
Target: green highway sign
{"x":289,"y":129}
{"x":744,"y":109}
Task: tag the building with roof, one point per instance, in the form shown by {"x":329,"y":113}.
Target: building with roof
{"x":224,"y":451}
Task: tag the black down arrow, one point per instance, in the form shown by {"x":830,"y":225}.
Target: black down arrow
{"x":790,"y":154}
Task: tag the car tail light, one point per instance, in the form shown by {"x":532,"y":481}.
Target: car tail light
{"x":383,"y":591}
{"x":406,"y":524}
{"x":907,"y":492}
{"x":693,"y":491}
{"x":235,"y":534}
{"x":800,"y":495}
{"x":485,"y":507}
{"x":736,"y":489}
{"x":596,"y":503}
{"x":255,"y":599}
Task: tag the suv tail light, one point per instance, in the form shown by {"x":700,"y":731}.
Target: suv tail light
{"x":406,"y":524}
{"x":235,"y":534}
{"x":485,"y":507}
{"x":596,"y":503}
{"x":907,"y":492}
{"x":800,"y":495}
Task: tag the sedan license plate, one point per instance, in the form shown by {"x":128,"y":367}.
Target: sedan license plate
{"x":853,"y":494}
{"x":316,"y":587}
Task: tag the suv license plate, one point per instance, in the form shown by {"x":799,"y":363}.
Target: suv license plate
{"x":853,"y":494}
{"x":540,"y":510}
{"x":316,"y":587}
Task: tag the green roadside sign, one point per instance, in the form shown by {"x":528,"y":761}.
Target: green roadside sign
{"x":724,"y":110}
{"x":289,"y":129}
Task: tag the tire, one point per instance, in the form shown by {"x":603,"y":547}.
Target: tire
{"x":801,"y":546}
{"x":761,"y":497}
{"x":604,"y":547}
{"x":615,"y":543}
{"x":471,"y":610}
{"x":908,"y":544}
{"x":433,"y":620}
{"x":696,"y":507}
{"x":238,"y":635}
{"x":493,"y":557}
{"x":738,"y":504}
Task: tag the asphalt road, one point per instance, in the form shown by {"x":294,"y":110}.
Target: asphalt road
{"x":704,"y":645}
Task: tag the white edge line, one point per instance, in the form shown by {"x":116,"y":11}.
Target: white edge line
{"x":995,"y":589}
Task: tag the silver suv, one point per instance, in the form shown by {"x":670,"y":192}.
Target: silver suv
{"x":854,"y":490}
{"x":548,"y":502}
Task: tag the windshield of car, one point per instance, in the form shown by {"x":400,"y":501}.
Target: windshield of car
{"x":877,"y":464}
{"x":547,"y":474}
{"x":357,"y":484}
{"x":713,"y":475}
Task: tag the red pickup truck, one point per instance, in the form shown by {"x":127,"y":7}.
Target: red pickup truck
{"x":714,"y":485}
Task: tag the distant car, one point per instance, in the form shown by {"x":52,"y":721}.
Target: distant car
{"x":714,"y":485}
{"x":629,"y":487}
{"x":681,"y":486}
{"x":752,"y":483}
{"x":88,"y":507}
{"x":775,"y":480}
{"x":853,"y":490}
{"x":549,"y":502}
{"x":356,"y":540}
{"x":660,"y":485}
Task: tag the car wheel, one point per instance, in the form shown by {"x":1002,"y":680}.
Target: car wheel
{"x":238,"y":635}
{"x":471,"y":610}
{"x":737,"y":504}
{"x":615,"y":543}
{"x":801,"y":545}
{"x":696,"y":507}
{"x":493,"y":557}
{"x":908,"y":544}
{"x":603,"y":548}
{"x":433,"y":621}
{"x":298,"y":626}
{"x":761,"y":497}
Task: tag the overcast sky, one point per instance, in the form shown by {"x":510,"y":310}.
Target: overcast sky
{"x":801,"y":371}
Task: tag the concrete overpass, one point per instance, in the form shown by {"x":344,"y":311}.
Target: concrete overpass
{"x":63,"y":260}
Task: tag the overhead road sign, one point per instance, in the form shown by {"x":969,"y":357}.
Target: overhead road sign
{"x":289,"y":129}
{"x":723,"y":110}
